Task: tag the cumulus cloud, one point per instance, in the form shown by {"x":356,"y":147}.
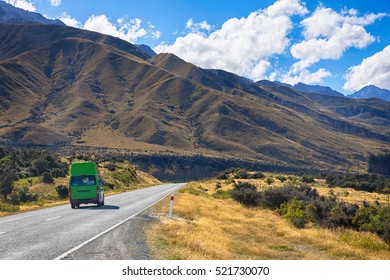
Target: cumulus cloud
{"x":55,"y":3}
{"x":126,"y":29}
{"x":374,"y":70}
{"x":307,"y":77}
{"x":243,"y":45}
{"x":23,"y":4}
{"x":70,"y":21}
{"x":196,"y":27}
{"x":329,"y":34}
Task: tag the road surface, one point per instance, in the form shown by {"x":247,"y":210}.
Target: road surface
{"x":55,"y":232}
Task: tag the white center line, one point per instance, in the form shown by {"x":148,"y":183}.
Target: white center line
{"x":2,"y":232}
{"x":53,"y":218}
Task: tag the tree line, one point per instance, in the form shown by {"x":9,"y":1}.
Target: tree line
{"x":18,"y":164}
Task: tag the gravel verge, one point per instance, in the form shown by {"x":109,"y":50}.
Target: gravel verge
{"x":126,"y":242}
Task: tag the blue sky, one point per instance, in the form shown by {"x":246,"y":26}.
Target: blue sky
{"x":342,"y":44}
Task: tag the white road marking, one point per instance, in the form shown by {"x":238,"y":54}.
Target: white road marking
{"x":111,"y":228}
{"x":53,"y":218}
{"x":2,"y":232}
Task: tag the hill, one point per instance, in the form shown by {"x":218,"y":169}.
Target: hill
{"x":80,"y":90}
{"x":372,"y":92}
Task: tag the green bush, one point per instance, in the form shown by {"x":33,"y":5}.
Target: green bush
{"x":307,"y":179}
{"x":370,"y":218}
{"x":296,"y":212}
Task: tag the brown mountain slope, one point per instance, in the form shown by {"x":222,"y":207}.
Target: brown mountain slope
{"x":90,"y":90}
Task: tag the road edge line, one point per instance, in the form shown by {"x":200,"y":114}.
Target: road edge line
{"x":109,"y":229}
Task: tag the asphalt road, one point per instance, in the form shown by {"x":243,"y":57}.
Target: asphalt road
{"x":58,"y":231}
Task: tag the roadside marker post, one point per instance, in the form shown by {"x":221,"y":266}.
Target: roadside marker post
{"x":171,"y":205}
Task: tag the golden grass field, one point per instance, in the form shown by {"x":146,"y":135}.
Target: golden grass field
{"x":209,"y":228}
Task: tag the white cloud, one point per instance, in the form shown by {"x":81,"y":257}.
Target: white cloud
{"x":242,"y":46}
{"x":23,"y":4}
{"x":329,"y":34}
{"x":70,"y":21}
{"x":374,"y":70}
{"x":129,"y":30}
{"x":307,"y":77}
{"x":55,"y":3}
{"x":198,"y":27}
{"x":287,"y":8}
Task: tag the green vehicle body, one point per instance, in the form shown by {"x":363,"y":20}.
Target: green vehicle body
{"x":85,"y":184}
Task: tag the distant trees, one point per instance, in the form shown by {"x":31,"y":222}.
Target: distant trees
{"x":379,"y":164}
{"x":360,"y":182}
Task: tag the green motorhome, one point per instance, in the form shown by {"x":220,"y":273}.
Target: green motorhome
{"x":85,"y":184}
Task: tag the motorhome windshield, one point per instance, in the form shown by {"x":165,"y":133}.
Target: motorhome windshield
{"x":83,"y":180}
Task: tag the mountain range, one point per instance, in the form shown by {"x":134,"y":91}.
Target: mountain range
{"x":72,"y":89}
{"x":370,"y":91}
{"x":12,"y":15}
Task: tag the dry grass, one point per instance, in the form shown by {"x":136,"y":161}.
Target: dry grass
{"x":204,"y":227}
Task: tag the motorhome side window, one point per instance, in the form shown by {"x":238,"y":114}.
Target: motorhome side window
{"x":80,"y":181}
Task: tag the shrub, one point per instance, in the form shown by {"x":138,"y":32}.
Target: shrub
{"x":369,"y":218}
{"x":111,"y":166}
{"x":47,"y":178}
{"x":307,"y":179}
{"x":241,"y":174}
{"x":62,"y":191}
{"x":23,"y":195}
{"x":270,"y":180}
{"x":296,"y":212}
{"x":340,"y":216}
{"x":257,"y":175}
{"x":281,"y":178}
{"x":7,"y":178}
{"x":58,"y":172}
{"x":221,"y":176}
{"x":245,"y":193}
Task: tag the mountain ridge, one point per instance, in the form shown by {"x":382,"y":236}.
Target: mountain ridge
{"x":371,"y":91}
{"x":13,"y":15}
{"x":77,"y":89}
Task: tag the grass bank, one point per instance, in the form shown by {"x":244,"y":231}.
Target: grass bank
{"x":207,"y":224}
{"x":119,"y":177}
